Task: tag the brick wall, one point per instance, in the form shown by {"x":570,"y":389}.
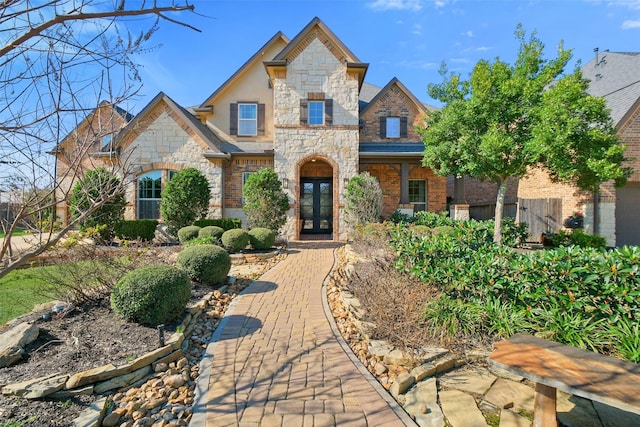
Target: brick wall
{"x":233,"y":177}
{"x":393,"y":103}
{"x":389,"y":179}
{"x":482,"y":192}
{"x":629,"y":133}
{"x":73,"y":159}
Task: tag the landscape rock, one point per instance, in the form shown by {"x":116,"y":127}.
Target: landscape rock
{"x":13,"y":341}
{"x":403,"y":382}
{"x":36,"y":388}
{"x":423,"y":371}
{"x":475,"y":380}
{"x":122,"y":381}
{"x":511,"y":419}
{"x":93,"y":415}
{"x":460,"y":409}
{"x":421,"y":402}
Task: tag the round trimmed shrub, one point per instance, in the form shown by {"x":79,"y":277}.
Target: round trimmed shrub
{"x":235,"y":240}
{"x":261,"y":238}
{"x":188,"y":233}
{"x":151,"y":295}
{"x":208,"y":264}
{"x":211,"y":231}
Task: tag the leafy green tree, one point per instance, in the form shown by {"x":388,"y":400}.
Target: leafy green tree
{"x":265,"y":204}
{"x":363,"y":200}
{"x":99,"y":187}
{"x":507,"y":119}
{"x":185,"y":199}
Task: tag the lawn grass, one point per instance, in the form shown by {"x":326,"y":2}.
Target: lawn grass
{"x":15,"y":233}
{"x":20,"y":290}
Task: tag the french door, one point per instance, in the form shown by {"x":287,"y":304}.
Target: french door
{"x":316,"y":205}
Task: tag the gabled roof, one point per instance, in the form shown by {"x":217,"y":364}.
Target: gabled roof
{"x":255,"y":58}
{"x":126,"y":116}
{"x":615,"y":76}
{"x":317,"y":29}
{"x":208,"y":137}
{"x":394,"y":81}
{"x":290,"y":51}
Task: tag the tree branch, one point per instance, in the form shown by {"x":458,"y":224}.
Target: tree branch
{"x":59,"y":19}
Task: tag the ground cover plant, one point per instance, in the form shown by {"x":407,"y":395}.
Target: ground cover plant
{"x":585,"y":297}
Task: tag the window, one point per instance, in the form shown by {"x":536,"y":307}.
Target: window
{"x":418,"y":194}
{"x":106,"y":140}
{"x":316,"y":110}
{"x":245,"y":175}
{"x":393,"y":127}
{"x":316,"y":113}
{"x":247,"y":119}
{"x":149,"y":190}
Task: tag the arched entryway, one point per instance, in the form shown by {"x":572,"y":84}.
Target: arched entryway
{"x":317,"y":200}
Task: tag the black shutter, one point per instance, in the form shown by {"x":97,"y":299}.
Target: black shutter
{"x":233,"y":121}
{"x":383,"y":127}
{"x":328,"y":111}
{"x":260,"y":119}
{"x":403,"y":127}
{"x":304,"y":114}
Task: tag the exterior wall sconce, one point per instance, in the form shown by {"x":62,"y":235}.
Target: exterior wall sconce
{"x":346,"y":182}
{"x":285,"y":183}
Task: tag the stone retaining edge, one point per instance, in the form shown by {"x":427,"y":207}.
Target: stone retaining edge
{"x":393,"y":404}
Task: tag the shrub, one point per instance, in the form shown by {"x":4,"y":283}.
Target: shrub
{"x":265,"y":204}
{"x":261,"y":238}
{"x":151,"y":295}
{"x":235,"y":240}
{"x":398,"y":217}
{"x":224,"y":223}
{"x":577,"y":237}
{"x":184,"y":199}
{"x":363,"y":200}
{"x":211,"y":231}
{"x":141,"y":229}
{"x":101,"y":188}
{"x":187,"y":233}
{"x":208,"y":264}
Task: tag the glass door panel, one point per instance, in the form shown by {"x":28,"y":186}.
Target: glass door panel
{"x":316,"y":205}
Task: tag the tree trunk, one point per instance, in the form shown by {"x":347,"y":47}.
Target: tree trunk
{"x":497,"y":231}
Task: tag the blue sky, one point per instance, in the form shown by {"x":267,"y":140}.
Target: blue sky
{"x":407,"y":39}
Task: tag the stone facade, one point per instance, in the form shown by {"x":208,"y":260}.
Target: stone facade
{"x":316,"y":70}
{"x":167,"y":144}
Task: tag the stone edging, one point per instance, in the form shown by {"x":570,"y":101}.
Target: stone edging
{"x":373,"y":381}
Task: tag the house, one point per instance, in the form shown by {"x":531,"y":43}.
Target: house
{"x":299,"y":106}
{"x":613,"y":213}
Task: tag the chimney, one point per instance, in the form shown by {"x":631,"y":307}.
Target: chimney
{"x":595,"y":50}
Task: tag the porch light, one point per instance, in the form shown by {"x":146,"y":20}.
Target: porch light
{"x":346,"y":181}
{"x":285,"y":183}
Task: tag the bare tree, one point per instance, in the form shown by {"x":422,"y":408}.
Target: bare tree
{"x":65,"y":65}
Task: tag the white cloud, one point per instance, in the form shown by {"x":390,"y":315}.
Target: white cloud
{"x":468,"y":33}
{"x":381,"y":5}
{"x":417,"y":29}
{"x":483,"y":48}
{"x":629,"y":24}
{"x":460,"y":60}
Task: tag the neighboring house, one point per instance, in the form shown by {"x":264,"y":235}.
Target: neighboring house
{"x":615,"y":76}
{"x":301,"y":107}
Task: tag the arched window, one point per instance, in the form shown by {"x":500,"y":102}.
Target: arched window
{"x":149,"y":190}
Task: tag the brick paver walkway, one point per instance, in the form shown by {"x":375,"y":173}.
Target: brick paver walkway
{"x":276,"y":362}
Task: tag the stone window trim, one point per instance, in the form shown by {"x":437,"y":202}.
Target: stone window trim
{"x":158,"y":180}
{"x":234,"y":124}
{"x":315,"y":97}
{"x":404,"y":127}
